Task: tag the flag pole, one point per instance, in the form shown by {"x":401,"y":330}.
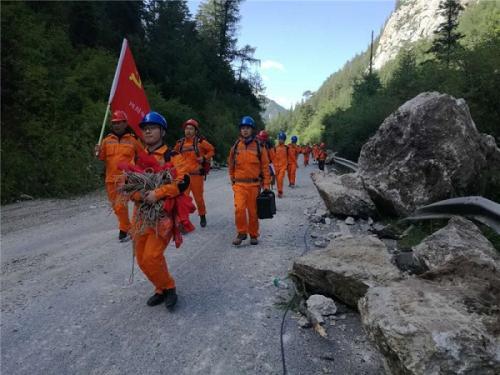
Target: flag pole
{"x":104,"y":123}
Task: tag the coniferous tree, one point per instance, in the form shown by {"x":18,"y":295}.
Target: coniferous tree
{"x":446,"y":43}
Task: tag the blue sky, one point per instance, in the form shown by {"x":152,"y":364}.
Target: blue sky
{"x":300,"y":43}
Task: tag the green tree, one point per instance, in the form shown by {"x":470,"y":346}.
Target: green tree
{"x":445,"y":43}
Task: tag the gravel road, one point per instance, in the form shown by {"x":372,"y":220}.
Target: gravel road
{"x":68,"y":307}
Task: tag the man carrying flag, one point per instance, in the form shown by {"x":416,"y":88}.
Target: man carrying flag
{"x":119,"y":146}
{"x":129,"y":104}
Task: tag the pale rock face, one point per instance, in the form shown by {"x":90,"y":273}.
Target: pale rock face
{"x":414,"y":20}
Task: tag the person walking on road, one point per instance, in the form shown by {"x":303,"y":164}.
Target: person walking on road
{"x":119,"y":146}
{"x":322,"y":156}
{"x":263,"y":138}
{"x":150,"y":244}
{"x":306,"y":151}
{"x":280,"y":162}
{"x":293,"y":154}
{"x":248,"y":168}
{"x":197,"y":152}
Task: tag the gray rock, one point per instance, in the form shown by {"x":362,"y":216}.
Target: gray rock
{"x":333,"y":235}
{"x":350,"y":221}
{"x":459,"y":237}
{"x":344,"y":195}
{"x":347,"y":268}
{"x":426,"y":151}
{"x":26,"y":197}
{"x":324,"y":305}
{"x":321,"y":212}
{"x":314,"y":235}
{"x":440,"y":325}
{"x":385,"y":231}
{"x":316,"y":219}
{"x":370,"y":221}
{"x":304,"y":322}
{"x":328,"y":221}
{"x":343,"y":229}
{"x":321,"y":243}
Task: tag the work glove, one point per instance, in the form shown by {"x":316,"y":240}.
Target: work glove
{"x":184,"y":184}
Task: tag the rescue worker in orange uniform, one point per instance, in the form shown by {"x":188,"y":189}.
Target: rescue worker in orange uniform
{"x":248,"y":168}
{"x":149,"y":246}
{"x":263,"y":138}
{"x":322,"y":156}
{"x":280,"y":162}
{"x":293,"y":154}
{"x":120,"y":145}
{"x":306,"y":151}
{"x":197,"y":152}
{"x":315,"y":151}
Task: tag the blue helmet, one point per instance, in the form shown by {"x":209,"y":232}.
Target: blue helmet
{"x":154,"y":118}
{"x":294,"y":139}
{"x":282,"y":136}
{"x":247,"y":121}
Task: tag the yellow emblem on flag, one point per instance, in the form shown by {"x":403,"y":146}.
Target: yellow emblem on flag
{"x":136,"y":80}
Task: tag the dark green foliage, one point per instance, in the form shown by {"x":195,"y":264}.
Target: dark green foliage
{"x":445,"y":44}
{"x":58,"y":61}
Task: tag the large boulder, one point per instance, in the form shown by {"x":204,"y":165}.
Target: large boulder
{"x":344,"y":195}
{"x":459,"y":238}
{"x":347,"y":268}
{"x":447,"y":323}
{"x":426,"y":151}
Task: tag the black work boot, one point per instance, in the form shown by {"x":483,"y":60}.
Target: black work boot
{"x":254,"y":241}
{"x":155,"y":299}
{"x":203,"y":221}
{"x":123,"y":236}
{"x":239,"y":239}
{"x":170,"y":298}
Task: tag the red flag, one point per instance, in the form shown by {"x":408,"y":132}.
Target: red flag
{"x":127,"y":93}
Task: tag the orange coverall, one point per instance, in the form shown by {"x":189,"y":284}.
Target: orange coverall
{"x":113,"y":151}
{"x":280,"y":163}
{"x":315,"y":152}
{"x":293,"y":154}
{"x":149,"y":247}
{"x":306,"y":151}
{"x":186,"y":147}
{"x":246,"y":172}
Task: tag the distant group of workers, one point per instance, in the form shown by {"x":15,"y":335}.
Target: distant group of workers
{"x":254,"y":164}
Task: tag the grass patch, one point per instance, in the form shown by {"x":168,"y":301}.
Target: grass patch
{"x":491,"y":235}
{"x":418,"y":231}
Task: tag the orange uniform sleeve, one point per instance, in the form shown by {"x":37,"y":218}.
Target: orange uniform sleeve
{"x":230,"y":163}
{"x":102,"y":151}
{"x":208,"y":151}
{"x":271,"y":154}
{"x":177,"y":146}
{"x":172,"y":190}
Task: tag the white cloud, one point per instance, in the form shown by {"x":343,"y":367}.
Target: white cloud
{"x":270,"y":64}
{"x":265,"y":78}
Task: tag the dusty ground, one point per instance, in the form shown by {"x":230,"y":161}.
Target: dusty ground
{"x":68,"y":308}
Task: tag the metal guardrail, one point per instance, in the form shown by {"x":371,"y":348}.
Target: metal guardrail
{"x":477,"y":208}
{"x":346,"y":163}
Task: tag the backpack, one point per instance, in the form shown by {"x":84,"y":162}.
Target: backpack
{"x":235,"y":150}
{"x":205,"y":166}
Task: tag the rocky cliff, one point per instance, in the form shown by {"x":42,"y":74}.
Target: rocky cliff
{"x":411,"y":21}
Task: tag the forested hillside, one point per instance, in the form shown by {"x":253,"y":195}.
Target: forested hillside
{"x":351,"y":104}
{"x":58,"y":61}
